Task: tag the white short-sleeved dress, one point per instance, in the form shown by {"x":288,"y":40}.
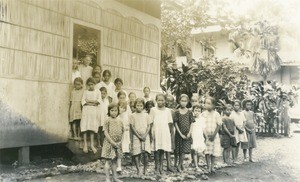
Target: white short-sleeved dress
{"x":198,"y":126}
{"x":212,"y":120}
{"x":161,"y":132}
{"x":239,"y":120}
{"x":103,"y":110}
{"x":90,"y":114}
{"x":124,"y":117}
{"x":85,"y":72}
{"x":140,"y":121}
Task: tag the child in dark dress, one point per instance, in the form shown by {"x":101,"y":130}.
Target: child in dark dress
{"x":228,"y":140}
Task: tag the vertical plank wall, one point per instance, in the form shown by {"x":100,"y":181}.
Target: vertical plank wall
{"x":35,"y":55}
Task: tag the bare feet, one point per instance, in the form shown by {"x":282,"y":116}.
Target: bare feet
{"x":94,"y":149}
{"x":117,"y":180}
{"x":85,"y":149}
{"x":107,"y":180}
{"x":170,"y":169}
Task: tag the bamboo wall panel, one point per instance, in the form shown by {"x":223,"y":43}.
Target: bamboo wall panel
{"x":41,"y":28}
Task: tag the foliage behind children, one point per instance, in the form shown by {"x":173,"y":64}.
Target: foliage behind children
{"x":112,"y":146}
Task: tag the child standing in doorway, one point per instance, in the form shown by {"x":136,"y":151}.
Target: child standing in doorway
{"x":112,"y":145}
{"x":183,"y":120}
{"x":90,"y":113}
{"x":75,"y":107}
{"x":250,"y":130}
{"x":75,"y":70}
{"x":162,"y":118}
{"x":85,"y":68}
{"x":212,"y":139}
{"x":140,"y":127}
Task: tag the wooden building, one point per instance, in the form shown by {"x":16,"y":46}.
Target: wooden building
{"x":36,"y":53}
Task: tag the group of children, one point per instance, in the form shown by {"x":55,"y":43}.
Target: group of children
{"x":125,"y":124}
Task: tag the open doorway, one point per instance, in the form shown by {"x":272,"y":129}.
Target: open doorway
{"x":86,"y":41}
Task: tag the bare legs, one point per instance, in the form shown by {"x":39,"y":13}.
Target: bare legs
{"x":85,"y":146}
{"x":137,"y":160}
{"x":250,"y":154}
{"x":210,"y":160}
{"x":159,"y":158}
{"x":111,"y":164}
{"x":236,"y":152}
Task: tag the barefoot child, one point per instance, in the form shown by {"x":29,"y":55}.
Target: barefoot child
{"x":239,"y":120}
{"x":182,"y":121}
{"x":103,"y":114}
{"x":228,"y":141}
{"x":212,"y":139}
{"x":162,"y":118}
{"x":90,"y":113}
{"x":75,"y":107}
{"x":250,"y":130}
{"x":198,"y":141}
{"x":125,"y":112}
{"x":112,"y":145}
{"x":140,"y":127}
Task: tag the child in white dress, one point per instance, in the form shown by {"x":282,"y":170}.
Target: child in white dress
{"x":90,"y":113}
{"x":162,"y":118}
{"x":198,"y":144}
{"x":125,"y":112}
{"x":85,"y":68}
{"x":103,"y":115}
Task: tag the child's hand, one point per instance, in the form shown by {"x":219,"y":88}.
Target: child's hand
{"x":115,"y":145}
{"x":241,"y":131}
{"x":232,"y":136}
{"x":250,"y":131}
{"x":188,"y":135}
{"x":183,"y":136}
{"x":211,"y":138}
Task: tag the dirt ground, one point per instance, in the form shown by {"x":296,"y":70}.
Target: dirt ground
{"x":277,"y":159}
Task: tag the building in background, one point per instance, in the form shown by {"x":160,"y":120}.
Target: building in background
{"x":40,"y":38}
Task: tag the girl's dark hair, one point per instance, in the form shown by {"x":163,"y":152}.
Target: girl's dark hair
{"x":90,"y":80}
{"x":96,"y":73}
{"x":78,"y":79}
{"x":197,"y":106}
{"x":182,"y":96}
{"x":237,"y":101}
{"x":160,"y":94}
{"x":97,"y":65}
{"x":148,"y":104}
{"x":139,"y":100}
{"x":118,"y":80}
{"x":131,"y":94}
{"x":106,"y":72}
{"x":103,"y":89}
{"x":213,"y":100}
{"x":121,"y":93}
{"x":112,"y":105}
{"x":146,"y":88}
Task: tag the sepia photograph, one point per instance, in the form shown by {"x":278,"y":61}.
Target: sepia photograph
{"x":149,"y":90}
